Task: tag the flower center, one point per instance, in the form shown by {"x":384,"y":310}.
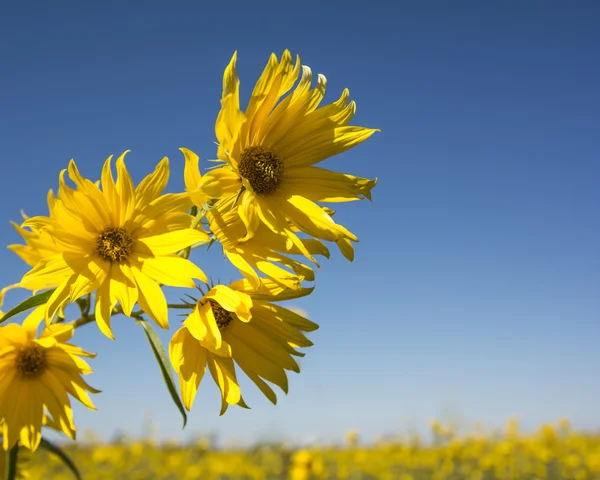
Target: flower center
{"x":222,"y":316}
{"x":114,"y":244}
{"x":32,"y":361}
{"x":262,"y":168}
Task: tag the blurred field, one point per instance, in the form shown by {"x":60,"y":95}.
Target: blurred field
{"x":553,"y":453}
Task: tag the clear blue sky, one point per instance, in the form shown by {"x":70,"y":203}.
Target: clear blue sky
{"x":475,"y":290}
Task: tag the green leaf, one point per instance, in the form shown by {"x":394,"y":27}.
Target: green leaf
{"x":163,"y":363}
{"x":34,"y":301}
{"x":12,"y":456}
{"x":56,"y":450}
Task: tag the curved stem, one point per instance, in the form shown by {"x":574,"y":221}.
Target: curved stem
{"x":87,"y":318}
{"x":83,"y":320}
{"x":206,"y":207}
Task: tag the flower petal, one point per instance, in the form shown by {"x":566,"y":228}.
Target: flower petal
{"x":151,"y":298}
{"x":172,"y":270}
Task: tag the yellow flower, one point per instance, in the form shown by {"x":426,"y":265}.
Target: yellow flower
{"x":237,"y":323}
{"x":260,"y":253}
{"x":270,"y":151}
{"x":119,"y":241}
{"x":37,"y":374}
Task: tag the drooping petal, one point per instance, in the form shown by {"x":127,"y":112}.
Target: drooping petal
{"x":189,"y":361}
{"x":151,"y":298}
{"x":124,"y":287}
{"x":105,"y":302}
{"x":223,"y":373}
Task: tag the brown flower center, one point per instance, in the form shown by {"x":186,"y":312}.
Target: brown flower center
{"x":262,"y":168}
{"x":222,"y":316}
{"x":32,"y":361}
{"x":114,"y":244}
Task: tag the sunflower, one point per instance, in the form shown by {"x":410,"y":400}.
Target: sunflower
{"x":237,"y":323}
{"x":269,"y":152}
{"x":36,"y":374}
{"x":265,"y":252}
{"x":117,"y":240}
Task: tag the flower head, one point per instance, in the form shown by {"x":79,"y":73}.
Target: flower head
{"x":270,"y":149}
{"x":237,"y":323}
{"x":265,"y":252}
{"x":38,"y":374}
{"x":116,"y":240}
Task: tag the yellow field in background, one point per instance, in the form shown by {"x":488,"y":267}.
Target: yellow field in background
{"x":553,"y":452}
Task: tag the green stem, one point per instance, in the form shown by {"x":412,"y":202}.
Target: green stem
{"x":11,"y":462}
{"x":84,"y":320}
{"x":87,"y":318}
{"x":178,"y":305}
{"x":206,"y":207}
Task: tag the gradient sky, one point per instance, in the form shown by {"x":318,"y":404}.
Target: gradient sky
{"x":474,"y":295}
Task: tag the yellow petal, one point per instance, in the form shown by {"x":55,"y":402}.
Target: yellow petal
{"x":124,"y":287}
{"x":189,"y":361}
{"x":232,"y":301}
{"x":152,"y":185}
{"x":110,"y":191}
{"x":249,"y":215}
{"x":230,"y":118}
{"x":172,"y":242}
{"x":32,"y":321}
{"x":173,"y":271}
{"x":192,"y":178}
{"x":321,"y":185}
{"x":125,"y":190}
{"x":244,"y":267}
{"x":312,"y":219}
{"x":324,"y":144}
{"x":223,"y":373}
{"x":346,"y":248}
{"x":195,"y":324}
{"x":220,"y":182}
{"x":151,"y":298}
{"x":105,"y":302}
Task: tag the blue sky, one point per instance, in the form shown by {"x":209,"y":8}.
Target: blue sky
{"x":474,"y":292}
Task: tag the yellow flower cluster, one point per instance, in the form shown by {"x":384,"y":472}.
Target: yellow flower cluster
{"x":108,"y":247}
{"x":551,"y":453}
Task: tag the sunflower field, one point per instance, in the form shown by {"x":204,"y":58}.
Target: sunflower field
{"x":550,"y":453}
